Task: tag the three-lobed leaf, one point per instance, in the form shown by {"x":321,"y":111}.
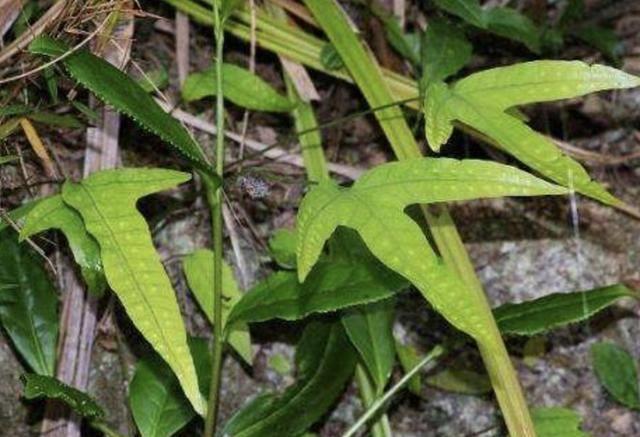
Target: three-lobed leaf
{"x":325,"y":362}
{"x":122,"y":92}
{"x":41,"y":386}
{"x":557,"y":309}
{"x":616,"y":370}
{"x":28,"y":304}
{"x":240,"y":86}
{"x":198,"y":269}
{"x":53,"y":213}
{"x":107,"y":203}
{"x":482,"y":101}
{"x":157,"y":403}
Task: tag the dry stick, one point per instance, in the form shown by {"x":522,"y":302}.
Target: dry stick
{"x":80,"y":309}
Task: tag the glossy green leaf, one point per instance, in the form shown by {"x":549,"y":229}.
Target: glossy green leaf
{"x":461,"y":381}
{"x":557,"y":422}
{"x":198,"y":269}
{"x":370,"y":329}
{"x":409,"y":359}
{"x":157,"y":402}
{"x":374,"y":207}
{"x":40,"y":386}
{"x":107,"y":203}
{"x":325,"y":361}
{"x":53,"y":213}
{"x":556,"y":310}
{"x":282,"y":246}
{"x":505,"y":22}
{"x":240,"y":86}
{"x":481,"y":99}
{"x":123,"y":93}
{"x":616,"y":371}
{"x":445,"y":51}
{"x":28,"y":304}
{"x":332,"y":285}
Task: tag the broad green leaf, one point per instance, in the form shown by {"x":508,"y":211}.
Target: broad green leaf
{"x":240,"y":86}
{"x":325,"y":361}
{"x":282,"y":246}
{"x":157,"y":402}
{"x":198,"y":268}
{"x":8,"y":158}
{"x":332,"y":285}
{"x":505,"y":22}
{"x":461,"y":381}
{"x":107,"y":203}
{"x":445,"y":50}
{"x":557,"y":422}
{"x":480,"y":101}
{"x":616,"y":371}
{"x":409,"y":358}
{"x":123,"y":93}
{"x":556,"y":310}
{"x":374,"y":207}
{"x":370,"y":329}
{"x":53,"y":213}
{"x":40,"y":386}
{"x":200,"y":349}
{"x":28,"y":304}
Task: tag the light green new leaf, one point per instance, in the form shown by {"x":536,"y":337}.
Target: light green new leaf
{"x":158,"y":405}
{"x":325,"y":362}
{"x":481,"y":99}
{"x":374,"y":207}
{"x":557,"y":309}
{"x":557,"y":422}
{"x":616,"y":371}
{"x":370,"y":329}
{"x":40,"y":386}
{"x":198,"y":268}
{"x":28,"y":304}
{"x":240,"y":86}
{"x":445,"y":50}
{"x":123,"y":93}
{"x":107,"y":203}
{"x":53,"y":213}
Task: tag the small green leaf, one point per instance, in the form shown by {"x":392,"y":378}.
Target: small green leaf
{"x":240,"y":86}
{"x":154,"y":79}
{"x":557,"y":422}
{"x":53,"y":213}
{"x":603,"y":39}
{"x":370,"y":329}
{"x":511,"y":24}
{"x":409,"y":358}
{"x":616,"y":371}
{"x":469,"y":10}
{"x":445,"y":50}
{"x":157,"y":403}
{"x":28,"y":304}
{"x":325,"y":362}
{"x":122,"y":92}
{"x":107,"y":203}
{"x":557,"y":309}
{"x":330,"y":58}
{"x":8,"y":158}
{"x":198,"y":268}
{"x":40,"y":386}
{"x":461,"y":381}
{"x":282,"y":246}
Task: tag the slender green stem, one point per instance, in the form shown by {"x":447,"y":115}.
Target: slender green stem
{"x":215,"y":202}
{"x":381,"y":428}
{"x":104,"y":429}
{"x":381,"y":402}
